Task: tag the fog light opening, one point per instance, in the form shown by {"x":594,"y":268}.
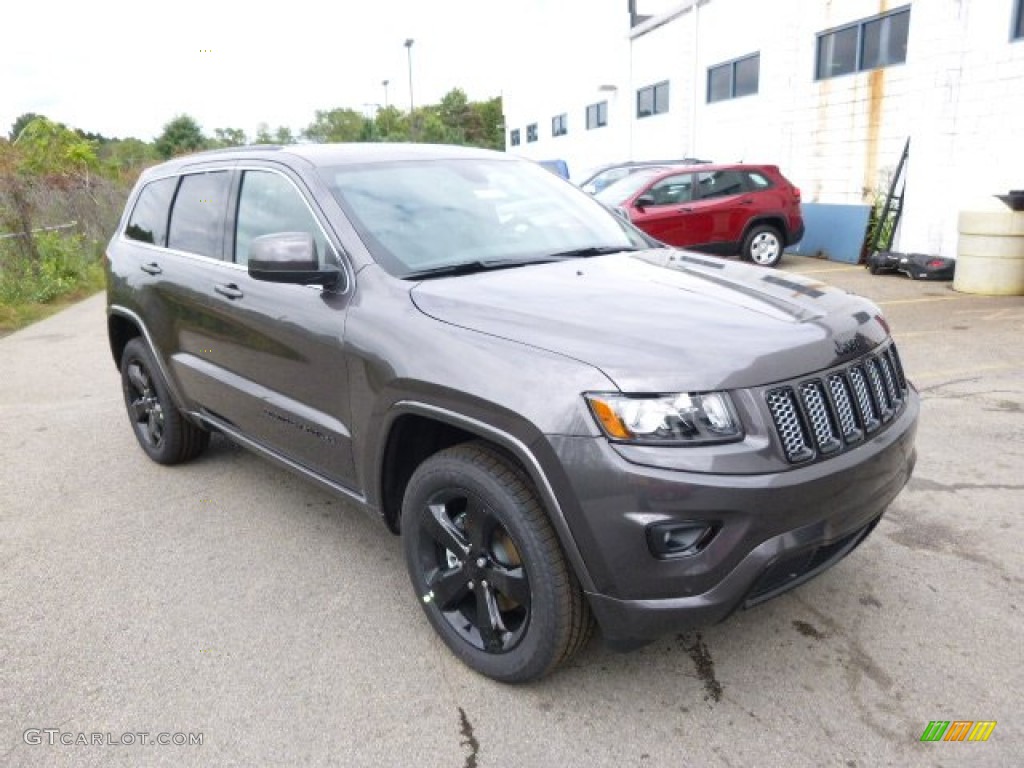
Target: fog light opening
{"x":679,"y":539}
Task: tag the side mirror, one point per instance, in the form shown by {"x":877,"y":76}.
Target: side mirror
{"x":644,"y":201}
{"x":289,"y":257}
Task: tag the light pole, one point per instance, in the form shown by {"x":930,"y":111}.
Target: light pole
{"x":387,"y":128}
{"x":408,"y":50}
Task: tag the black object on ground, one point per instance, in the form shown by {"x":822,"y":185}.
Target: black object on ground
{"x":916,"y":266}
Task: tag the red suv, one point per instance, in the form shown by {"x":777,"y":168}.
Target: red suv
{"x":750,"y":210}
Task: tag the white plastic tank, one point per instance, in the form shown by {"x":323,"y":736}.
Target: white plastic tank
{"x":990,"y":253}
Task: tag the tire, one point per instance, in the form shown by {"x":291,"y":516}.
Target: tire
{"x":763,"y":245}
{"x":163,"y":433}
{"x":487,"y":568}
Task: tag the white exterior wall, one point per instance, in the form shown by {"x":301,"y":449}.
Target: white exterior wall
{"x":571,"y":49}
{"x":959,"y":97}
{"x":968,"y":130}
{"x":665,"y":55}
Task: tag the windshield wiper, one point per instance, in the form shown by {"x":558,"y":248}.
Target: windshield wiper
{"x":470,"y":267}
{"x":593,"y":250}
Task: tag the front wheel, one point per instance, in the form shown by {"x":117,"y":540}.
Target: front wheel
{"x":163,"y":433}
{"x":763,"y":246}
{"x":487,"y":567}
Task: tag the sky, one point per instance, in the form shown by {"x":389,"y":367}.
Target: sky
{"x":127,"y":68}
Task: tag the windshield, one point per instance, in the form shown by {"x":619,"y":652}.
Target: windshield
{"x":421,"y":215}
{"x":623,"y":189}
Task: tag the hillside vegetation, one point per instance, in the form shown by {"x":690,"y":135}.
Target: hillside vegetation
{"x":62,"y":189}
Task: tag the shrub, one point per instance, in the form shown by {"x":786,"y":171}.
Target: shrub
{"x":66,"y":263}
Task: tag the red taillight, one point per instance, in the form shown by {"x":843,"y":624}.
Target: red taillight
{"x":936,"y":263}
{"x":796,"y":194}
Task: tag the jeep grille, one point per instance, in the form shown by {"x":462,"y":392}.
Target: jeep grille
{"x":823,"y":416}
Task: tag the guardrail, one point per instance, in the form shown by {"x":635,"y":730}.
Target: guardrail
{"x":40,"y":229}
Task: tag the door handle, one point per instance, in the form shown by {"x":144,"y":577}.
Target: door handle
{"x":152,"y":268}
{"x":230,"y":290}
{"x":748,"y":201}
{"x":684,"y":210}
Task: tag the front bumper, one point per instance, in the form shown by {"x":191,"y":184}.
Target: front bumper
{"x":775,"y":531}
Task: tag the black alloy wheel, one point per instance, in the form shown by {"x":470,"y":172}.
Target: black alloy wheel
{"x":473,"y":571}
{"x":487,"y":566}
{"x":163,"y":433}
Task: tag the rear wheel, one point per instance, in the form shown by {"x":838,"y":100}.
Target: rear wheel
{"x":163,"y":433}
{"x":763,"y":245}
{"x":487,"y":567}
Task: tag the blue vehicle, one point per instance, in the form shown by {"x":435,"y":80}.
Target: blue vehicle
{"x":557,"y":167}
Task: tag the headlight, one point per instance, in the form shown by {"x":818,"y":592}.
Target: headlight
{"x":682,"y":419}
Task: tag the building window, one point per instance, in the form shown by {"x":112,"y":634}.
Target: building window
{"x":560,"y":125}
{"x":652,"y":100}
{"x":513,"y":137}
{"x":531,"y":132}
{"x":1018,"y":23}
{"x":597,"y":115}
{"x":880,"y":41}
{"x":734,"y":78}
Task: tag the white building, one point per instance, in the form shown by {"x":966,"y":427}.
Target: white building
{"x":829,"y":90}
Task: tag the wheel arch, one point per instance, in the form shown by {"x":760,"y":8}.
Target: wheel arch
{"x":774,"y":220}
{"x":123,"y":325}
{"x":120,"y":330}
{"x":414,"y":431}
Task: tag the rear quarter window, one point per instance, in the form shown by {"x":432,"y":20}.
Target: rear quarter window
{"x":757,"y":181}
{"x":148,"y":222}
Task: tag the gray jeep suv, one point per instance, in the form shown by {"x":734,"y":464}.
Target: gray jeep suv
{"x":565,"y":420}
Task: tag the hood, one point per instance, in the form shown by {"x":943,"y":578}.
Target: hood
{"x":664,"y":320}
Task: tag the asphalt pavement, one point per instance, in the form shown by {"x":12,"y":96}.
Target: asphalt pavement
{"x":230,"y":603}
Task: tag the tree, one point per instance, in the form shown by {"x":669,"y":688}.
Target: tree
{"x":229,"y":137}
{"x":263,"y":135}
{"x":283,"y":135}
{"x":21,"y":123}
{"x":454,"y":113}
{"x":392,"y":124}
{"x":52,"y":149}
{"x":99,"y":138}
{"x":124,"y":155}
{"x":335,"y":125}
{"x":491,"y":122}
{"x":180,"y":136}
{"x":429,"y":127}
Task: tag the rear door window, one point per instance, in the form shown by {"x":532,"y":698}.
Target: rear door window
{"x":148,"y":222}
{"x":720,"y":184}
{"x":197,"y":219}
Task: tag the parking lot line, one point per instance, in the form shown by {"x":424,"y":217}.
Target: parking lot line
{"x":919,"y":301}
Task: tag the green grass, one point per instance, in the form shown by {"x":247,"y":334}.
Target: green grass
{"x":67,"y":271}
